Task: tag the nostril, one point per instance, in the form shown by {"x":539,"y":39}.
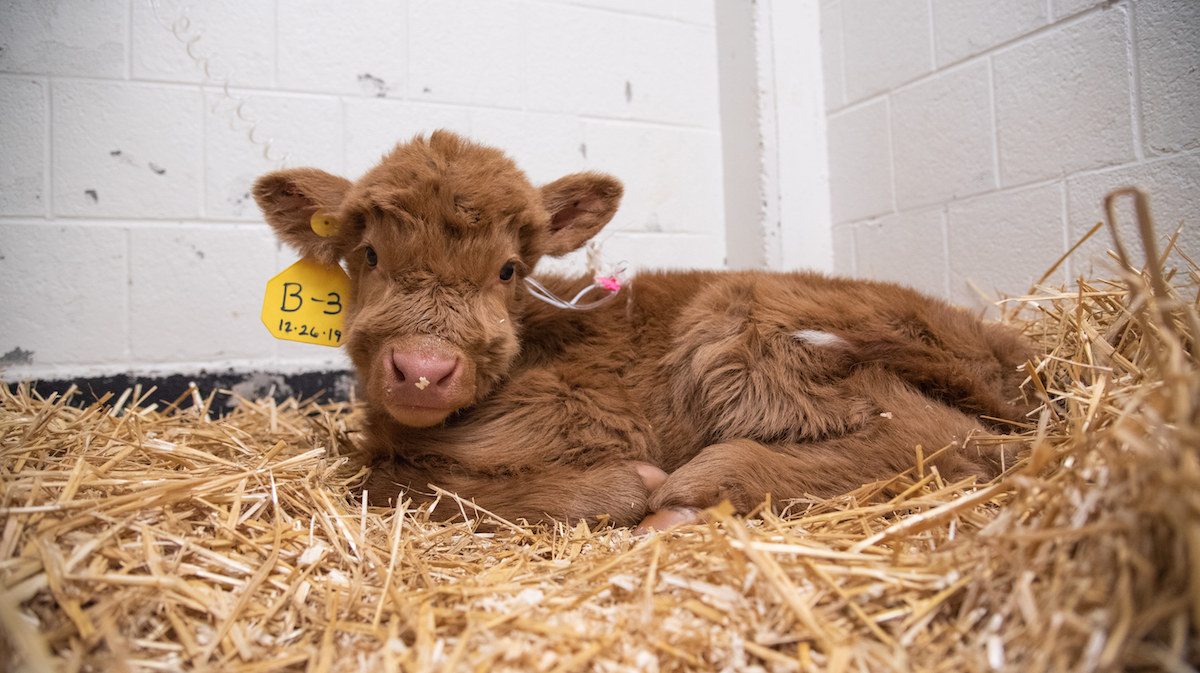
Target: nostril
{"x":451,"y":373}
{"x":398,"y":366}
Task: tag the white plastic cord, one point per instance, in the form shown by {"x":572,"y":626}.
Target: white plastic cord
{"x":541,"y":292}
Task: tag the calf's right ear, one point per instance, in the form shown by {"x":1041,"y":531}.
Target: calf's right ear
{"x":288,"y":199}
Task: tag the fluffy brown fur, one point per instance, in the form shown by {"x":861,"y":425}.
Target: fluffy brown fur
{"x":736,"y":385}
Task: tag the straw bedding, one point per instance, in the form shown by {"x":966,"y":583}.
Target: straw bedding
{"x":147,"y":537}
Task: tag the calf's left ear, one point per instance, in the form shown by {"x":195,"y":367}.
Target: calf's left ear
{"x":580,"y":205}
{"x":289,"y":198}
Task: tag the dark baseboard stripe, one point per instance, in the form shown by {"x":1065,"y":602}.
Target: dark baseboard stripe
{"x":331,"y":386}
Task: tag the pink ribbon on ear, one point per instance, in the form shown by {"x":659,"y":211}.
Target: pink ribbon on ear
{"x":609,"y":283}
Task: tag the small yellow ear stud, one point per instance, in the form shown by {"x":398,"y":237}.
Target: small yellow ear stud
{"x":323,"y":223}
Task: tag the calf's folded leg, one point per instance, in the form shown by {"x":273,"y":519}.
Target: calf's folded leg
{"x":744,"y":471}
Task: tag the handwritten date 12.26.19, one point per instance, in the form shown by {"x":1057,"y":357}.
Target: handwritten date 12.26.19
{"x":332,"y":336}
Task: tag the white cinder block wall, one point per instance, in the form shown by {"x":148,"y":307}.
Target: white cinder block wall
{"x":131,"y":131}
{"x":969,"y":143}
{"x":972,"y":141}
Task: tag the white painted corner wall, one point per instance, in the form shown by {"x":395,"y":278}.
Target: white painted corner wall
{"x":773,"y":123}
{"x":133,"y":129}
{"x":971,"y":142}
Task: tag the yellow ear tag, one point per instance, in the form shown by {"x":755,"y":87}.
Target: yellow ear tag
{"x":323,"y":223}
{"x":305,"y":303}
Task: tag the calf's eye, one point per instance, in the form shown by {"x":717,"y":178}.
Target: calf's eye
{"x":372,"y":258}
{"x":507,"y":271}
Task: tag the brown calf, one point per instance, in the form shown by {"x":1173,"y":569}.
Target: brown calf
{"x":690,"y":388}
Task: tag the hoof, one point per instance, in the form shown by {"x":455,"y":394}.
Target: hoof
{"x":651,"y":476}
{"x":665,"y":519}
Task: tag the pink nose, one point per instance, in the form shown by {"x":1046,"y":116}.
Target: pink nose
{"x":424,"y":371}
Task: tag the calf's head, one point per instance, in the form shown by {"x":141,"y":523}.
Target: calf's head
{"x":436,"y":239}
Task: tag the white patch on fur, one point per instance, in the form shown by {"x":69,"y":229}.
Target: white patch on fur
{"x":815,"y":337}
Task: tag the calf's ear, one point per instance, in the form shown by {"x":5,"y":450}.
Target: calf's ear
{"x":580,"y":205}
{"x":288,"y":199}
